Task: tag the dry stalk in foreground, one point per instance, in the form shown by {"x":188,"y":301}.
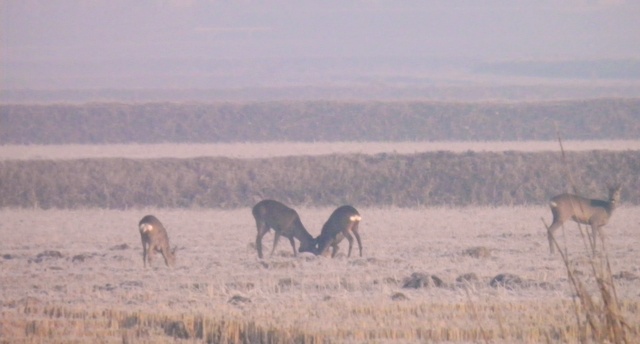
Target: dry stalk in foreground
{"x":603,"y":319}
{"x":476,"y":318}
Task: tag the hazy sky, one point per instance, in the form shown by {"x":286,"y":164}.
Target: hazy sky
{"x":42,"y":40}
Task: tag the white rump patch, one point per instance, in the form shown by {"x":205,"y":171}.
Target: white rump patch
{"x":145,"y":227}
{"x":355,"y":218}
{"x":553,"y":204}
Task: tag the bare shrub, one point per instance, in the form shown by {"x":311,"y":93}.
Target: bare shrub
{"x":176,"y":329}
{"x":80,"y":258}
{"x":287,"y":264}
{"x":467,"y":279}
{"x":123,"y":246}
{"x":626,"y":275}
{"x":477,"y":252}
{"x":507,"y":281}
{"x":399,"y":297}
{"x":47,"y":255}
{"x":238,"y":300}
{"x":285,"y":284}
{"x":422,"y":280}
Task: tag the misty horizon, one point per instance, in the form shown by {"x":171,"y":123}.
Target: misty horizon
{"x":182,"y":44}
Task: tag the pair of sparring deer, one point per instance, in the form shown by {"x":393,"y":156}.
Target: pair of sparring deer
{"x":269,"y":214}
{"x":344,"y":221}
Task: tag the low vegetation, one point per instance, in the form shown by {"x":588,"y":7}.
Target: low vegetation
{"x":533,"y":322}
{"x":598,"y":314}
{"x":310,"y":121}
{"x":416,"y":281}
{"x":426,"y":179}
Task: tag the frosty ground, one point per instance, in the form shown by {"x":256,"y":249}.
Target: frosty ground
{"x":92,"y":260}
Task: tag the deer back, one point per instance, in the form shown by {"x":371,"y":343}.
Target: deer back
{"x":153,"y":232}
{"x":584,"y":210}
{"x":276,"y":215}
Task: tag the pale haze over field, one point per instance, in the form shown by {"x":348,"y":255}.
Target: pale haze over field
{"x":53,"y":44}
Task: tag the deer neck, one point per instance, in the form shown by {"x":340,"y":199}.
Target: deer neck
{"x":304,"y":234}
{"x":300,"y":232}
{"x":611,"y":206}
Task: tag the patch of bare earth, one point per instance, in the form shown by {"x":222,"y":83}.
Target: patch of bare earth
{"x":78,"y":275}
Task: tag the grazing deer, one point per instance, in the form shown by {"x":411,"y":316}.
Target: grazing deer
{"x":154,"y":238}
{"x":284,"y":221}
{"x":593,"y":212}
{"x":341,"y":224}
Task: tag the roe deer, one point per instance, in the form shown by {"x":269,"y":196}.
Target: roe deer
{"x":341,"y":224}
{"x":593,"y":212}
{"x":285,"y":222}
{"x":154,"y":238}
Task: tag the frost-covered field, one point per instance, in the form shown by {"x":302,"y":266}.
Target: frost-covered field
{"x":276,"y":149}
{"x":77,"y":275}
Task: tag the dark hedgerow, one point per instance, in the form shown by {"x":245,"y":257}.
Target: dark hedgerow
{"x":426,"y":179}
{"x":310,"y":121}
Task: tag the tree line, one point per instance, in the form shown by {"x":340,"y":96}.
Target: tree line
{"x":425,"y":179}
{"x":310,"y":121}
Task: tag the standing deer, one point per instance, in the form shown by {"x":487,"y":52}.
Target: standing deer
{"x":154,"y":238}
{"x":593,"y":212}
{"x":341,"y":224}
{"x":284,"y":221}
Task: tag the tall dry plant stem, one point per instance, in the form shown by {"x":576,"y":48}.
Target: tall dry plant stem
{"x":485,"y":337}
{"x":603,"y":319}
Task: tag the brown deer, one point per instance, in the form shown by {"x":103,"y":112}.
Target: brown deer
{"x":154,"y":238}
{"x":593,"y":212}
{"x":284,"y":221}
{"x":342,"y":223}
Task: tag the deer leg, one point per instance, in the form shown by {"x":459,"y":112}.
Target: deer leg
{"x":355,"y":233}
{"x":166,"y":254}
{"x":165,"y":258}
{"x":150,"y":253}
{"x":293,"y":245}
{"x":262,"y":230}
{"x":275,"y":241}
{"x":324,"y":249}
{"x":145,"y":251}
{"x":334,"y":249}
{"x":172,"y":256}
{"x":350,"y":238}
{"x":554,"y":226}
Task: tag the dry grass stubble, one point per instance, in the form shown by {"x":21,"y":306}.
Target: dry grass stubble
{"x":78,"y":274}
